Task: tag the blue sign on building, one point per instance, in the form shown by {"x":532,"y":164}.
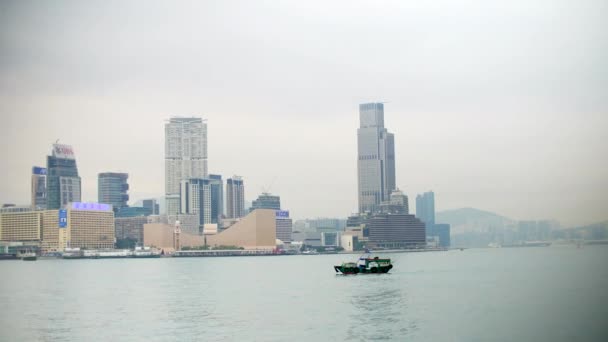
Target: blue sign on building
{"x":38,"y":170}
{"x":282,"y":214}
{"x":63,"y":218}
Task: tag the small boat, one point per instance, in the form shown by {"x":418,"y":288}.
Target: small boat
{"x":28,"y":256}
{"x":366,"y":264}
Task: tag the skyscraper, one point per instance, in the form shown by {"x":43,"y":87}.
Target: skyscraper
{"x":185,"y":156}
{"x":376,"y":158}
{"x":235,"y":197}
{"x":151,"y":205}
{"x":266,"y":201}
{"x":38,"y":188}
{"x":217,"y":198}
{"x":112,"y":189}
{"x":425,"y":208}
{"x":63,"y":182}
{"x":195,"y":197}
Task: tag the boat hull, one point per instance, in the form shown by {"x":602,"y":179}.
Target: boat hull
{"x":362,"y":270}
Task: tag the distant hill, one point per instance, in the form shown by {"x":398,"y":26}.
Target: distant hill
{"x":471,"y":220}
{"x":466,"y":215}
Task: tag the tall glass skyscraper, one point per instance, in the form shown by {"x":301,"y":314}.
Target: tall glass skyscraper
{"x":425,"y":208}
{"x":235,"y":197}
{"x":217,"y":198}
{"x":112,"y":188}
{"x":376,"y":158}
{"x":38,"y":188}
{"x":62,"y":180}
{"x":185,"y":156}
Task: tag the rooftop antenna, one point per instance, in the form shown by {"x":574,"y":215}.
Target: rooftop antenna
{"x":266,"y":189}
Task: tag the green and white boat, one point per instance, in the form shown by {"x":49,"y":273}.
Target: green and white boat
{"x":365,"y":264}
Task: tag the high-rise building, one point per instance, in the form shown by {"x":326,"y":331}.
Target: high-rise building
{"x":425,"y":208}
{"x":185,"y":156}
{"x":284,"y":225}
{"x":112,"y":189}
{"x":62,"y":180}
{"x":235,"y":197}
{"x":376,"y":158}
{"x":38,"y":188}
{"x":217,"y":198}
{"x":151,"y":205}
{"x":195,"y":197}
{"x":398,"y":204}
{"x":266,"y":201}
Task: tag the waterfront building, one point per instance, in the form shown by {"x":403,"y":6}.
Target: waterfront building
{"x":442,"y":232}
{"x":349,"y":242}
{"x":20,"y":226}
{"x":284,"y":226}
{"x":185,"y":156}
{"x":62,"y":180}
{"x":195,"y":199}
{"x":330,"y":239}
{"x":235,"y":197}
{"x":190,"y":223}
{"x":376,"y":158}
{"x":266,"y":201}
{"x":425,"y":208}
{"x":130,"y":228}
{"x":89,"y":225}
{"x":312,"y":239}
{"x":84,"y":225}
{"x":112,"y":188}
{"x":257,"y":230}
{"x":217,"y":198}
{"x":395,"y":231}
{"x":38,"y":191}
{"x":151,"y":205}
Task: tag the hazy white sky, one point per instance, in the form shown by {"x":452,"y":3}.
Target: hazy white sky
{"x":497,"y":105}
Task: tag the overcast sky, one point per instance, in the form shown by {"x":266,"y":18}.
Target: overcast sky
{"x":499,"y":106}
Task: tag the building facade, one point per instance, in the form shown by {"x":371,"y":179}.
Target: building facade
{"x":376,"y":158}
{"x":235,"y":197}
{"x":112,"y":188}
{"x":425,"y":208}
{"x":217,"y":198}
{"x":130,"y":228}
{"x":284,"y":226}
{"x":151,"y":205}
{"x":185,"y":156}
{"x":38,"y":194}
{"x":63,"y":182}
{"x":21,"y":226}
{"x":82,"y":225}
{"x":442,"y":232}
{"x":195,"y":198}
{"x":266,"y":201}
{"x":395,"y":231}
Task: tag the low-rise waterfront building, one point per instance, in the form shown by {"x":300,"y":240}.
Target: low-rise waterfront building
{"x":20,"y":226}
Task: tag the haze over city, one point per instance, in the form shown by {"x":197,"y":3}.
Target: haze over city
{"x":501,"y":107}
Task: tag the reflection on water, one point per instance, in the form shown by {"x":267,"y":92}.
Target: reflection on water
{"x":380,"y":310}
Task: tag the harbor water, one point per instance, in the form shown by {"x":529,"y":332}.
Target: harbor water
{"x":557,"y":293}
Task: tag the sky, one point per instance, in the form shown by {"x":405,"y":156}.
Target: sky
{"x":501,"y":106}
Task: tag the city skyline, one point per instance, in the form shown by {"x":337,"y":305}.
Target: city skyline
{"x":511,"y":122}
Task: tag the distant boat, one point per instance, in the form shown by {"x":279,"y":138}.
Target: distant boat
{"x":310,"y":252}
{"x":27,"y":256}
